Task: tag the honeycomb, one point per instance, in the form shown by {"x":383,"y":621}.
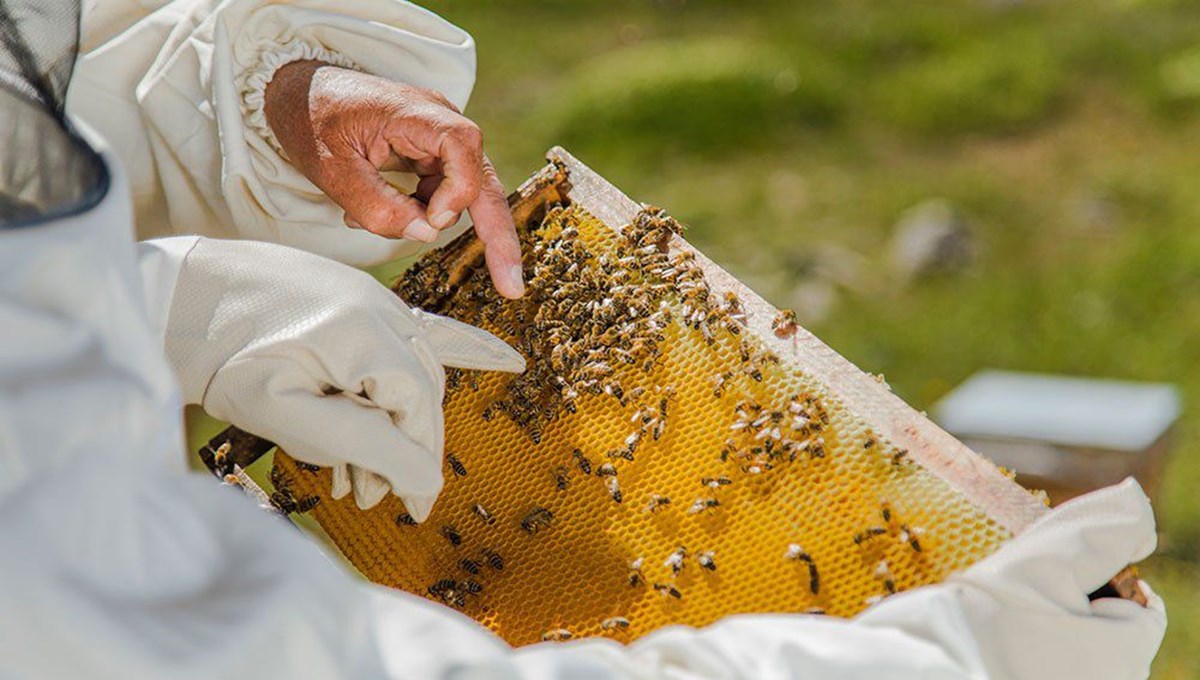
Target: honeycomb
{"x":655,"y":465}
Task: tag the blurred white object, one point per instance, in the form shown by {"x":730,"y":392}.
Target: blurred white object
{"x":1066,"y":435}
{"x":931,"y":238}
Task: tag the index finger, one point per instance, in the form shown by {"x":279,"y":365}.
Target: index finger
{"x":457,"y":145}
{"x":494,"y":226}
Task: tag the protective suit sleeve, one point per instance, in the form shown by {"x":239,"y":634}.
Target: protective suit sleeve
{"x":178,"y":92}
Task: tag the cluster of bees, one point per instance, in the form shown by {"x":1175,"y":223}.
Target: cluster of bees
{"x":873,"y":542}
{"x":283,"y":499}
{"x":762,"y":437}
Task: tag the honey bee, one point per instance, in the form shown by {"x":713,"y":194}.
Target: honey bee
{"x":885,"y":511}
{"x":606,"y":470}
{"x":729,"y":449}
{"x":668,"y":590}
{"x":405,"y":520}
{"x":703,"y":504}
{"x":899,"y":457}
{"x":557,"y":635}
{"x":909,"y":535}
{"x":784,"y":324}
{"x":456,"y":465}
{"x":716,"y":482}
{"x":307,"y":467}
{"x":625,"y":452}
{"x":493,"y":559}
{"x":482,"y":513}
{"x":657,"y":501}
{"x":561,"y":478}
{"x":585,"y":465}
{"x":452,"y":535}
{"x":614,"y":623}
{"x":816,"y":447}
{"x":446,"y":590}
{"x":707,"y":560}
{"x":675,"y":560}
{"x":869,"y":443}
{"x":471,"y":587}
{"x":796,"y":552}
{"x":868,"y":534}
{"x":221,"y":462}
{"x":469,"y":565}
{"x":288,"y":504}
{"x":719,"y":382}
{"x":635,"y":571}
{"x":614,"y":489}
{"x":884,"y":573}
{"x":278,"y":479}
{"x":537,"y":519}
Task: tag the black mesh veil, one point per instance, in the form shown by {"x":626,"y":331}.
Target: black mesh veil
{"x":46,"y":170}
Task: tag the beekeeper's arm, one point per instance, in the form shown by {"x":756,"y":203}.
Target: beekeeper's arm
{"x":262,"y":120}
{"x":1021,"y":614}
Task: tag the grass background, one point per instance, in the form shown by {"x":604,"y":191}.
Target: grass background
{"x":790,"y":135}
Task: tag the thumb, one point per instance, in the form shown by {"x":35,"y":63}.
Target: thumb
{"x":461,"y":345}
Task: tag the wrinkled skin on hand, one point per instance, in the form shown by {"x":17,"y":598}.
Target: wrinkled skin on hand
{"x":341,"y":128}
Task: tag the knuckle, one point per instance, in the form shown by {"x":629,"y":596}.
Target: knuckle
{"x":468,"y":133}
{"x":376,"y":217}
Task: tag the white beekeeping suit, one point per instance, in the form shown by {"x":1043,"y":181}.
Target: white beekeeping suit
{"x":177,"y":89}
{"x":116,"y":562}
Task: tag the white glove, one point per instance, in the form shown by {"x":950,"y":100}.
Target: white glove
{"x":1027,"y":607}
{"x":321,"y":359}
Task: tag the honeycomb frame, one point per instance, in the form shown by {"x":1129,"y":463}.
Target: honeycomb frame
{"x":465,"y":582}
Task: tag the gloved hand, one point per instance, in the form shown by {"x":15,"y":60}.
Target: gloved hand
{"x":321,"y":359}
{"x":1025,"y":612}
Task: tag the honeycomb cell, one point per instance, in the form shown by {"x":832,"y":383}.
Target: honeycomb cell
{"x":719,"y":449}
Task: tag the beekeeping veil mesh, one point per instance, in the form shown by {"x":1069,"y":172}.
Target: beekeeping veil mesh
{"x":46,"y":170}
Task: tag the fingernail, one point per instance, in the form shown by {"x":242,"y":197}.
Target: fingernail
{"x":444,"y":219}
{"x":419,"y":230}
{"x":515,"y":281}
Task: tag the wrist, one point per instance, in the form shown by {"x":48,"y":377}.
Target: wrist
{"x":293,"y":58}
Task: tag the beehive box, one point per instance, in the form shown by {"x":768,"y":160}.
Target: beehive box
{"x":678,"y":449}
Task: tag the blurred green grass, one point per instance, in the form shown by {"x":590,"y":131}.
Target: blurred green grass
{"x":1067,"y":132}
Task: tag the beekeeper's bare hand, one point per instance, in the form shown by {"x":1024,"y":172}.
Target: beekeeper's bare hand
{"x":321,"y":359}
{"x":341,"y":128}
